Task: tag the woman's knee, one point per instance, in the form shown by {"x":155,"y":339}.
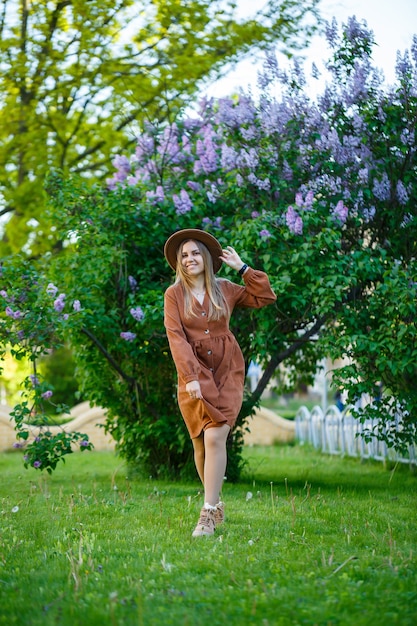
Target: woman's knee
{"x":216,"y":437}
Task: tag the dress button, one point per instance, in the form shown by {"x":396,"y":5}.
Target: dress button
{"x":208,"y":351}
{"x":206,"y":331}
{"x":203,"y":313}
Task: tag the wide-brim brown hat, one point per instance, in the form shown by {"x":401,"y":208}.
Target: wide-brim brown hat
{"x":175,"y":240}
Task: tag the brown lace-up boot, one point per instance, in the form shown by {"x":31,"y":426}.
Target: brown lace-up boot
{"x":219,"y":514}
{"x":206,"y":524}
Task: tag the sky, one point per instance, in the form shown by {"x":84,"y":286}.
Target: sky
{"x":394,"y":22}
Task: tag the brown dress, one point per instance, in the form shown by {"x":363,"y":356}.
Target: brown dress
{"x":207,"y":351}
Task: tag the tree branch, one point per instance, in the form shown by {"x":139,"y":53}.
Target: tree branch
{"x":279,"y":357}
{"x":108,"y":356}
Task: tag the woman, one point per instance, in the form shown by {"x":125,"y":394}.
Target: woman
{"x":208,"y":359}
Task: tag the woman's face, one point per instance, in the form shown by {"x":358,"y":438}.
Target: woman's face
{"x":191,"y":259}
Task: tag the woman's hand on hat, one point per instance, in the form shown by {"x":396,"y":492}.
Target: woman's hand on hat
{"x":231,"y":258}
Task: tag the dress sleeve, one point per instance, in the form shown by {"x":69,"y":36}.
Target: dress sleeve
{"x":185,"y":361}
{"x":255,"y":293}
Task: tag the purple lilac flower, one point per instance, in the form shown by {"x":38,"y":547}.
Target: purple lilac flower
{"x":158,"y":195}
{"x":193,"y":185}
{"x":299,"y":199}
{"x":340,"y":212}
{"x":3,"y":293}
{"x":298,"y":226}
{"x":122,"y":164}
{"x":254,"y":214}
{"x":131,"y":181}
{"x":403,"y":66}
{"x":406,"y":220}
{"x":137,"y":313}
{"x":309,"y":199}
{"x":51,"y":290}
{"x":128,"y":336}
{"x":213,"y":193}
{"x":287,"y":173}
{"x":132,"y":282}
{"x":402,"y":193}
{"x":290,"y":218}
{"x":265,"y":234}
{"x":76,"y":305}
{"x":17,"y":445}
{"x":169,"y":144}
{"x":111,"y":184}
{"x":315,"y":72}
{"x":17,"y":315}
{"x":34,"y":380}
{"x":186,"y":145}
{"x":9,"y":311}
{"x":228,"y":158}
{"x":182,"y":202}
{"x":145,"y":146}
{"x":207,"y":221}
{"x":363,"y":176}
{"x":332,"y":33}
{"x":21,"y":335}
{"x":206,"y":149}
{"x":47,"y":394}
{"x":248,"y":158}
{"x":382,"y":188}
{"x":84,"y":443}
{"x":264,"y":185}
{"x":59,"y":303}
{"x":239,"y":180}
{"x":37,"y":464}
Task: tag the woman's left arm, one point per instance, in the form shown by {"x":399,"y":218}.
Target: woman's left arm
{"x":257,"y":291}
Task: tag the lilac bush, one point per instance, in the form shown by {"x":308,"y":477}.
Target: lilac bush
{"x":38,"y":327}
{"x":320,"y":192}
{"x":317,"y":192}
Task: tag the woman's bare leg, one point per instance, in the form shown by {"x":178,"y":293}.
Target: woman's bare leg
{"x":215,"y":462}
{"x":199,"y":455}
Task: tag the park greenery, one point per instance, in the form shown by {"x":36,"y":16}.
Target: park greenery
{"x":79,"y":77}
{"x":308,"y":540}
{"x":318,"y":192}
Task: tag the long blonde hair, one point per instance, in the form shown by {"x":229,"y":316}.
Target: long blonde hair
{"x":217,"y":304}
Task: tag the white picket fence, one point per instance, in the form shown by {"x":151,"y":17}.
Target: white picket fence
{"x":336,"y":432}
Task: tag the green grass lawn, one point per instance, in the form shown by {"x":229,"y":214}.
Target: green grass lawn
{"x":308,"y":539}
